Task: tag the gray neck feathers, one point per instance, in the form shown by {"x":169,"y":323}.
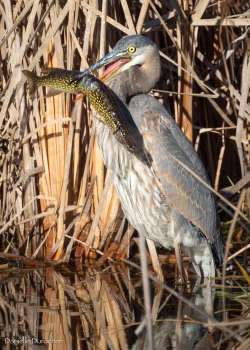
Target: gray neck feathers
{"x":136,"y":80}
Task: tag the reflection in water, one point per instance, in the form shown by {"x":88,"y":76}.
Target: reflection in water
{"x":184,"y":329}
{"x":93,"y":309}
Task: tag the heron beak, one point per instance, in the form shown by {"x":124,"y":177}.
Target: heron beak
{"x":112,"y":62}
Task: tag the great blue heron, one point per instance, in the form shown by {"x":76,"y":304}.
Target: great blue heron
{"x":169,"y":205}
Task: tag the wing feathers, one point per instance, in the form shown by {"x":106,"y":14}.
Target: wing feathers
{"x":171,"y":154}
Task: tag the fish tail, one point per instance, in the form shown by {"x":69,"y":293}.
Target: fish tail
{"x":32,"y":81}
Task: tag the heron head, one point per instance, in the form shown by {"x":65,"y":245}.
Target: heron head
{"x":131,"y":51}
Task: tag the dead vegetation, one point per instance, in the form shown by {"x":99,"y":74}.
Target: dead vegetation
{"x":56,"y":198}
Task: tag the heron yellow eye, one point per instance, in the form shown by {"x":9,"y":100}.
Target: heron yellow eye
{"x":131,"y":49}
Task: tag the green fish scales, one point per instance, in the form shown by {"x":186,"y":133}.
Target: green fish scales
{"x":110,"y":110}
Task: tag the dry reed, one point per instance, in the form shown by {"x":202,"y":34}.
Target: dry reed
{"x":56,"y":197}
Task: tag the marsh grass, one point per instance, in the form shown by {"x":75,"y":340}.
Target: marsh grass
{"x":57,"y":201}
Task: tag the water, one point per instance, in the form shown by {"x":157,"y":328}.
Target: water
{"x":102,"y":308}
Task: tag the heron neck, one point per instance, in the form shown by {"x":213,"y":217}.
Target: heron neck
{"x":130,"y":83}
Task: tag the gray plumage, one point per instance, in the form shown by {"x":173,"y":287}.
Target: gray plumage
{"x":160,"y":198}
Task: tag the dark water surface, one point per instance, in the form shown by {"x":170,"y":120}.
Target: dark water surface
{"x":102,"y":308}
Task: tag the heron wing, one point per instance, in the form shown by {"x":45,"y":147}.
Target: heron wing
{"x":175,"y":164}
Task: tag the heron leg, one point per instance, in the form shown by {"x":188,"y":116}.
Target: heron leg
{"x":202,"y":260}
{"x":197,"y":269}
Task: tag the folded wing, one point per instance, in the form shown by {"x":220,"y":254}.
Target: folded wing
{"x":173,"y":162}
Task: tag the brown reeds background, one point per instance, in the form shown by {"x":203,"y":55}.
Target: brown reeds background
{"x":56,"y":198}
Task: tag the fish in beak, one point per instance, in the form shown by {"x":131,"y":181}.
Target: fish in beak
{"x":113,"y":63}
